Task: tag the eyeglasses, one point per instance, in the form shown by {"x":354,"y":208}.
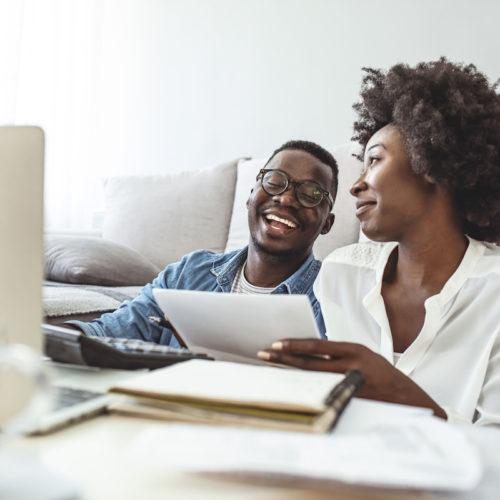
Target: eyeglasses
{"x":308,"y":193}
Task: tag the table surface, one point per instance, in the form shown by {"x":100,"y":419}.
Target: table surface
{"x":92,"y":454}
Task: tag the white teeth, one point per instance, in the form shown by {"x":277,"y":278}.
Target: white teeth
{"x":289,"y":223}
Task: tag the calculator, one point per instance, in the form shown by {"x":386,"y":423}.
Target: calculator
{"x":72,"y":346}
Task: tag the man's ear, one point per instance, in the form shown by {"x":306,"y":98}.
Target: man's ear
{"x":328,"y":223}
{"x":248,"y":201}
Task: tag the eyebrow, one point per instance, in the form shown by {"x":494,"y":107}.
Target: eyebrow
{"x":378,"y":144}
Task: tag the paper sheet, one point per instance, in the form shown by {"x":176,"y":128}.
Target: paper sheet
{"x":233,"y":327}
{"x":422,"y":453}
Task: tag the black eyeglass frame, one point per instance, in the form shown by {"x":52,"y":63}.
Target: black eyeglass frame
{"x":325,"y":194}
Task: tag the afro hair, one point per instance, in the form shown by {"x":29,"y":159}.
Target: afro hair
{"x":449,"y":117}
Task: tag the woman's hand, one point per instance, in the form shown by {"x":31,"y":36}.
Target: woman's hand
{"x":383,"y":382}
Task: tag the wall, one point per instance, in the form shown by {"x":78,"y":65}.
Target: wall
{"x":179,"y":84}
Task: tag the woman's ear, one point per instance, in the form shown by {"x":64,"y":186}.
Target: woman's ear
{"x":428,"y":178}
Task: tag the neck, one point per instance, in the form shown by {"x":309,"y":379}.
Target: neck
{"x":432,"y":249}
{"x":269,"y":270}
{"x":428,"y":262}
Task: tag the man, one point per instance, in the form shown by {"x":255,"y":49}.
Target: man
{"x":288,"y":208}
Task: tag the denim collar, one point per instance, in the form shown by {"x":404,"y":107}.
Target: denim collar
{"x":298,"y":283}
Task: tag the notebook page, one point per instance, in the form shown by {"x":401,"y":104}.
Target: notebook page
{"x":221,"y":381}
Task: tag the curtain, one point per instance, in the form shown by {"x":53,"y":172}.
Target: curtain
{"x":51,"y":77}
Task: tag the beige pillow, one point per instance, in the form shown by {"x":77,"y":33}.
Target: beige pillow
{"x":346,"y":227}
{"x":246,"y":179}
{"x":164,"y":217}
{"x":95,"y":261}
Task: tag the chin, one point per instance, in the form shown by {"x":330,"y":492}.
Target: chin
{"x":376,"y":235}
{"x":275,"y":250}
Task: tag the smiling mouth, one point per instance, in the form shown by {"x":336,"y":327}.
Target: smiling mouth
{"x":280,"y":224}
{"x":363,"y":206}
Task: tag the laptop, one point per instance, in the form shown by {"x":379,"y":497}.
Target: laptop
{"x":21,"y":274}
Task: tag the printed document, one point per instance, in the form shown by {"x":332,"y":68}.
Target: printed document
{"x":234,"y":327}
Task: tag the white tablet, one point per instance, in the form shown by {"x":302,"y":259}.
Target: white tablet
{"x":233,"y":327}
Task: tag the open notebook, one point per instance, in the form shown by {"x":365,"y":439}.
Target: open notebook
{"x":222,"y":392}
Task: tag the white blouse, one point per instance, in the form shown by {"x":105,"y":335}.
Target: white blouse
{"x":456,"y":356}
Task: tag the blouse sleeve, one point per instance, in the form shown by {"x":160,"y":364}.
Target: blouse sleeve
{"x":488,"y":408}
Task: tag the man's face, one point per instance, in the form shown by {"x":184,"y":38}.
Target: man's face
{"x":279,"y":224}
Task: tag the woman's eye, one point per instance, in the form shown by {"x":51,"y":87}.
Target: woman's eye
{"x":372,"y":160}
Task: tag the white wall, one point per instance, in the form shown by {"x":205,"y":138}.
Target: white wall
{"x":182,"y":84}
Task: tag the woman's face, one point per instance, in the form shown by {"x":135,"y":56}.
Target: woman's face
{"x":391,"y":200}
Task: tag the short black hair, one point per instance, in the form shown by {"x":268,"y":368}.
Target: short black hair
{"x":449,"y":117}
{"x":318,"y":152}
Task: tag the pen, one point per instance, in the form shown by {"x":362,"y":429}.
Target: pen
{"x":161,"y":322}
{"x":166,"y":324}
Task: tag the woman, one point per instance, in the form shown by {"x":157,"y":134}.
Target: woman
{"x":419,"y":311}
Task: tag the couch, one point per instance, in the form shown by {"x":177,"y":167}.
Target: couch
{"x":151,"y":221}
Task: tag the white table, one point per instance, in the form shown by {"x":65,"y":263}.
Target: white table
{"x":92,"y":455}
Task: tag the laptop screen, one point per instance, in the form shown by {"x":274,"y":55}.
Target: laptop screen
{"x":21,"y":230}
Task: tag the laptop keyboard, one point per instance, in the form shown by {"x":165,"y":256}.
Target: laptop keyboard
{"x":68,"y":396}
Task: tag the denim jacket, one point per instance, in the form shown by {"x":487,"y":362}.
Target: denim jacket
{"x":200,"y":270}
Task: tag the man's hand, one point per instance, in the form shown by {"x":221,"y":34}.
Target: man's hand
{"x":383,"y":382}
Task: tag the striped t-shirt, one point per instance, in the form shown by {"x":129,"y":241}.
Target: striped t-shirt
{"x":241,"y":285}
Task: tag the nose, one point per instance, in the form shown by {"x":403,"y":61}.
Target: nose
{"x":287,"y":197}
{"x":359,"y":185}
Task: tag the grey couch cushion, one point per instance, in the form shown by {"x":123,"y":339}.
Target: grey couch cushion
{"x":164,"y":217}
{"x":95,"y":261}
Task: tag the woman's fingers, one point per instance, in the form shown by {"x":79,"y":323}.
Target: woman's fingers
{"x":304,"y":361}
{"x":318,"y":347}
{"x":320,"y":355}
